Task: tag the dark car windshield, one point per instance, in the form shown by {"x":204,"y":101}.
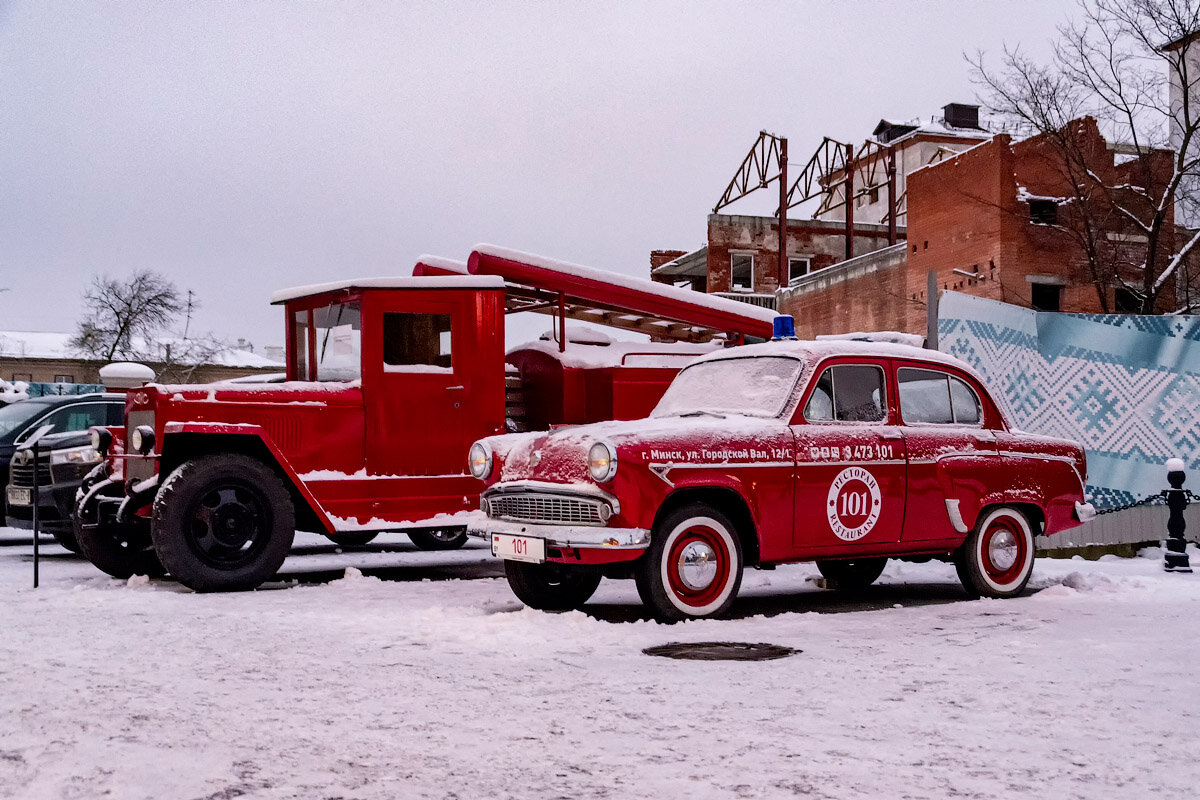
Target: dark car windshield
{"x":755,"y":386}
{"x":15,"y":416}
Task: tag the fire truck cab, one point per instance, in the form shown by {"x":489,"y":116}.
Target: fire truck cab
{"x":389,"y":381}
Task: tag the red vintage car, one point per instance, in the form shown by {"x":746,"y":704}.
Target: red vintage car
{"x":840,"y":452}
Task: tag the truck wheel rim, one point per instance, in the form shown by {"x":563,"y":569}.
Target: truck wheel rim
{"x":698,"y":567}
{"x":228,"y":526}
{"x":1004,"y":550}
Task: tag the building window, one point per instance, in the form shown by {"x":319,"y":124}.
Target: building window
{"x":1047,"y":297}
{"x":874,"y":194}
{"x":741,"y":272}
{"x":64,"y":378}
{"x":1043,"y":212}
{"x":1126,"y":302}
{"x":23,"y":376}
{"x":798,"y":268}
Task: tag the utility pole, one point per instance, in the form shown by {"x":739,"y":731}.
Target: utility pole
{"x":784,"y":272}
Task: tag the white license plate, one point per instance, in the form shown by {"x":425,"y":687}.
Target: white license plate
{"x":519,"y":548}
{"x":20,"y":496}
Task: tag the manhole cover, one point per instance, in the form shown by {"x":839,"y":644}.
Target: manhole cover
{"x":721,"y":651}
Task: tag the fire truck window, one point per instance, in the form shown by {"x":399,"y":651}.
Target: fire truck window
{"x":924,"y":396}
{"x":416,"y":342}
{"x":339,"y":342}
{"x":848,"y":393}
{"x":300,"y":345}
{"x":965,"y":403}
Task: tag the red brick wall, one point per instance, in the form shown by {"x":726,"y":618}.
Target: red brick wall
{"x":824,"y":242}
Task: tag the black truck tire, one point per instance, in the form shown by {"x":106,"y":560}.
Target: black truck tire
{"x":121,"y":551}
{"x":438,"y":538}
{"x":223,"y":523}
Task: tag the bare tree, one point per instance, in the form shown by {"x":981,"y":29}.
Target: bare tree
{"x":132,"y":318}
{"x":1118,"y":64}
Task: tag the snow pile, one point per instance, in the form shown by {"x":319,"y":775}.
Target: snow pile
{"x":12,"y":392}
{"x":437,"y":682}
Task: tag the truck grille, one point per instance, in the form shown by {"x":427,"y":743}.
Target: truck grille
{"x":548,"y":508}
{"x":21,"y":472}
{"x":137,"y":467}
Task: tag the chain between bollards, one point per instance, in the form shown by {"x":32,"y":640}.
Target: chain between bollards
{"x":1175,"y":557}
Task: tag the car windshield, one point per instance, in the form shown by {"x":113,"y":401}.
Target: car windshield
{"x":15,"y":416}
{"x":754,"y":386}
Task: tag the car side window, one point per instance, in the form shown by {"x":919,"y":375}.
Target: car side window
{"x":77,"y":417}
{"x":848,"y":393}
{"x":965,"y":403}
{"x":930,"y":396}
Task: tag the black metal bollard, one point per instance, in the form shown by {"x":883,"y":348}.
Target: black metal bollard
{"x":1175,"y":557}
{"x":37,"y":533}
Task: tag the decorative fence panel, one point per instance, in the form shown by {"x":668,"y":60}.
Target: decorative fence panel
{"x":1126,"y":386}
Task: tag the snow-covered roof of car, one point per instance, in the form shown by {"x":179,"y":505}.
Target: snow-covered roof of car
{"x":816,"y":351}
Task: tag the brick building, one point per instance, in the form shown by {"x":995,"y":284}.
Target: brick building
{"x":742,"y":257}
{"x":994,"y":218}
{"x":998,"y":221}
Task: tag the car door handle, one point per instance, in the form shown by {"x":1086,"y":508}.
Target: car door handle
{"x":886,"y":434}
{"x":455,"y":388}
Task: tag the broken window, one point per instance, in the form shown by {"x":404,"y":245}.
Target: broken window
{"x":1043,"y":212}
{"x":798,"y":268}
{"x":1126,"y":302}
{"x":741,"y":272}
{"x":1047,"y":297}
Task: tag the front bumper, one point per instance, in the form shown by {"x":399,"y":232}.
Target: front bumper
{"x":54,"y":508}
{"x":566,"y":536}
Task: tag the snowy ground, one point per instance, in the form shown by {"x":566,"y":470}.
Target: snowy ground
{"x":436,"y":683}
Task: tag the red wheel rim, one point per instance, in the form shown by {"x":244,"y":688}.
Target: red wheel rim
{"x":1004,"y":534}
{"x":705,"y":537}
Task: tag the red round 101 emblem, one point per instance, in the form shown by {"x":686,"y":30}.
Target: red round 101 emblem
{"x":853,"y":504}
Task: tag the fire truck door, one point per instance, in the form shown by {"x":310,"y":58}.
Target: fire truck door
{"x":419,"y":401}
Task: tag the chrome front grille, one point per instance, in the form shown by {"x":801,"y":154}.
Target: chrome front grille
{"x":21,"y":468}
{"x":547,"y":508}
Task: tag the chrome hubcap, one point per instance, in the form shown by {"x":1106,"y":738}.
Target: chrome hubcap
{"x":697,"y":565}
{"x":1002,"y":550}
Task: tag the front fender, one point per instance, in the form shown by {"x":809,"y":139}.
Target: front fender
{"x":185,"y":440}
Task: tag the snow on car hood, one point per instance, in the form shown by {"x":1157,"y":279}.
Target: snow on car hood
{"x":560,"y":456}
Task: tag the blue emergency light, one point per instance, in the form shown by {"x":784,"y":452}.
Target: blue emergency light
{"x":784,"y":328}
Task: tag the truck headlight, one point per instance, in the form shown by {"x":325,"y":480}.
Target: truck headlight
{"x":602,"y":462}
{"x":142,"y":439}
{"x":101,"y":440}
{"x":479,"y":460}
{"x":85,"y":454}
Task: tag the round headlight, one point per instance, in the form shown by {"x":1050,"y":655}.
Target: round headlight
{"x":479,"y":460}
{"x":101,"y":440}
{"x":602,"y":462}
{"x":142,"y":439}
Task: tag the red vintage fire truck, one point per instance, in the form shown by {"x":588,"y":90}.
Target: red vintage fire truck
{"x":388,"y":383}
{"x":843,"y":453}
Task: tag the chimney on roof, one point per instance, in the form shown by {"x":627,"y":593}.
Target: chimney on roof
{"x":961,"y":115}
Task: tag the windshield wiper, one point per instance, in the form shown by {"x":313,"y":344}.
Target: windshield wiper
{"x":699,"y":413}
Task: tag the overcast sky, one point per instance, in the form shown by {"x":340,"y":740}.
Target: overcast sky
{"x":245,"y":147}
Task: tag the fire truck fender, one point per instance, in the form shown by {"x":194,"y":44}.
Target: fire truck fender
{"x":727,"y":496}
{"x":186,"y":440}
